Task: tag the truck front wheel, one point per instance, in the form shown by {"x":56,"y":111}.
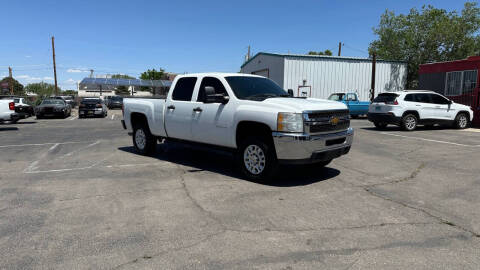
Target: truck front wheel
{"x":257,"y":159}
{"x":145,"y":143}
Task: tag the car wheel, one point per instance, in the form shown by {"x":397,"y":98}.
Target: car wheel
{"x":380,"y":125}
{"x":409,"y":122}
{"x":256,"y":159}
{"x":462,"y":121}
{"x":143,"y":141}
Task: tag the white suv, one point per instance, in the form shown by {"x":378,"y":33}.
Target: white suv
{"x":410,"y":108}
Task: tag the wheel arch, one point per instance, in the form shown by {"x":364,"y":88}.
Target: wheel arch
{"x":412,"y":112}
{"x":464,"y":112}
{"x":258,"y":129}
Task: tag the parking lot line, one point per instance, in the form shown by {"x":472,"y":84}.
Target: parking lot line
{"x":428,"y":140}
{"x":113,"y":115}
{"x":39,"y":144}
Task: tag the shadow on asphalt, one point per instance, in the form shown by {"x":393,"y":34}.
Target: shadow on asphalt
{"x":224,"y":163}
{"x":8,"y":128}
{"x":20,"y":122}
{"x":395,"y":128}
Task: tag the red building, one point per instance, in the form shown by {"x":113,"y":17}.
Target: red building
{"x":458,"y":80}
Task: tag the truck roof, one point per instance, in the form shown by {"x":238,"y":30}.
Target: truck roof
{"x":222,"y":74}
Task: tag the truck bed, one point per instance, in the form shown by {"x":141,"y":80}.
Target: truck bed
{"x":152,"y":107}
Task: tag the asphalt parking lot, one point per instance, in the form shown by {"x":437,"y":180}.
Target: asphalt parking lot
{"x":73,"y":195}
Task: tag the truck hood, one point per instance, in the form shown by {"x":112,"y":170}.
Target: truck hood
{"x":304,"y":104}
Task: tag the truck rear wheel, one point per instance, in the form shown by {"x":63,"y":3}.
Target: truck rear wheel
{"x":143,"y":141}
{"x":256,"y":159}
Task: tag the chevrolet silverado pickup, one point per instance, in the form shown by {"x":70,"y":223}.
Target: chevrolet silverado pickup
{"x":7,"y":111}
{"x":251,"y":115}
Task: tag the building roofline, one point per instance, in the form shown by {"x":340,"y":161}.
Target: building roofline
{"x":322,"y":57}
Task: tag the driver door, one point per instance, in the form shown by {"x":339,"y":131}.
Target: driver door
{"x":212,"y":123}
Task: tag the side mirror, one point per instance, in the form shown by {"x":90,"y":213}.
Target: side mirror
{"x":450,"y":102}
{"x":290,"y":92}
{"x":212,"y":97}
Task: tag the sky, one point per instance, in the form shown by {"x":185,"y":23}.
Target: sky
{"x":129,"y":37}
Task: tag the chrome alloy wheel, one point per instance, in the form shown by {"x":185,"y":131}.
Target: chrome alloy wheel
{"x":462,"y":121}
{"x":140,"y":139}
{"x":410,"y":122}
{"x":254,"y":159}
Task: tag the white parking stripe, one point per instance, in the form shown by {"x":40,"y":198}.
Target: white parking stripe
{"x":73,"y":118}
{"x":428,"y":140}
{"x":39,"y":144}
{"x":113,"y":115}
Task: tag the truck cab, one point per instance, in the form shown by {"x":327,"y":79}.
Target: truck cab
{"x":355,"y":106}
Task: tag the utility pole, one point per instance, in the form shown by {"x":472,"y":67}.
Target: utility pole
{"x":339,"y":48}
{"x":248,"y":55}
{"x":91,"y":73}
{"x":11,"y":80}
{"x":54,"y":66}
{"x":372,"y":89}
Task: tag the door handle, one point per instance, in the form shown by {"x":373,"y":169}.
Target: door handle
{"x":171,"y":107}
{"x":197,"y":109}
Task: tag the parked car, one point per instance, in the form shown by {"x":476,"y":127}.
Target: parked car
{"x":115,"y":102}
{"x":355,"y":106}
{"x":68,"y":99}
{"x":247,"y":114}
{"x":23,"y":109}
{"x":53,"y":107}
{"x":411,"y":108}
{"x":7,"y":111}
{"x":92,"y":107}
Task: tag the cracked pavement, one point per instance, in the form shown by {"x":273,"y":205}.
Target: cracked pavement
{"x":79,"y":198}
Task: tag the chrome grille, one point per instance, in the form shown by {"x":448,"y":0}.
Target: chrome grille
{"x":326,"y":121}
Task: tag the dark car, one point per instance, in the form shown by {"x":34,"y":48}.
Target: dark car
{"x":53,"y":107}
{"x":115,"y":102}
{"x":92,"y":107}
{"x":22,"y":108}
{"x":68,"y":99}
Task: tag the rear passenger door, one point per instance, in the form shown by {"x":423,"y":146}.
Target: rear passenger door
{"x":179,"y":109}
{"x":424,"y":106}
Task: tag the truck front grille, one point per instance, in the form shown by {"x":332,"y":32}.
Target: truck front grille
{"x":326,"y":121}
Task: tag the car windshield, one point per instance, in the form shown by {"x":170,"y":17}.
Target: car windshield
{"x":53,"y":101}
{"x":336,"y":97}
{"x":385,"y":97}
{"x":255,"y":88}
{"x":116,"y":98}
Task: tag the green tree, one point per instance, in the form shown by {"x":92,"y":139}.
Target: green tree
{"x":42,"y":89}
{"x":17,"y":87}
{"x":122,"y":90}
{"x":152,"y":74}
{"x":428,"y":35}
{"x":122,"y":76}
{"x":69,"y":92}
{"x":326,"y":52}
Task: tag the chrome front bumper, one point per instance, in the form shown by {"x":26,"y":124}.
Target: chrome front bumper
{"x":304,"y":148}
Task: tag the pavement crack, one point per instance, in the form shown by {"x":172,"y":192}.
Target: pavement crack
{"x":115,"y":194}
{"x":412,"y":176}
{"x":440,"y":219}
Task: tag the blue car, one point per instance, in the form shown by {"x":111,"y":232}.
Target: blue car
{"x":355,"y":106}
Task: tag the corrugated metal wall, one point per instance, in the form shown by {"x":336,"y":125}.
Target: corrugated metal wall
{"x":327,"y":76}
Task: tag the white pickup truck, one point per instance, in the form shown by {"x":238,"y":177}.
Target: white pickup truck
{"x":251,"y":115}
{"x":7,"y":111}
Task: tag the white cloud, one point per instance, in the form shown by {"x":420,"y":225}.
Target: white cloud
{"x":48,"y":78}
{"x":76,"y":70}
{"x":30,"y":79}
{"x":71,"y":81}
{"x":22,"y":77}
{"x":28,"y":56}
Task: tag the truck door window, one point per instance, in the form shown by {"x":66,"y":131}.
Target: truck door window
{"x":351,"y":97}
{"x":184,"y":89}
{"x":423,"y":98}
{"x":437,"y":99}
{"x":215,"y":83}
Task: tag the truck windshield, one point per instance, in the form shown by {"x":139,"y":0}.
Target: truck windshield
{"x":255,"y":88}
{"x":336,"y":97}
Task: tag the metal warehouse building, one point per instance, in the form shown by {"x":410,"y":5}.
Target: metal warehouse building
{"x":319,"y":76}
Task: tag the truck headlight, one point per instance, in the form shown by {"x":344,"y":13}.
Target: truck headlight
{"x":290,"y":122}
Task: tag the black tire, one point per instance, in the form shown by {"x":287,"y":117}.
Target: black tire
{"x":462,"y":121}
{"x":147,"y":145}
{"x":409,"y":122}
{"x":380,"y":125}
{"x":264,"y":171}
{"x":354,"y":116}
{"x":39,"y":117}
